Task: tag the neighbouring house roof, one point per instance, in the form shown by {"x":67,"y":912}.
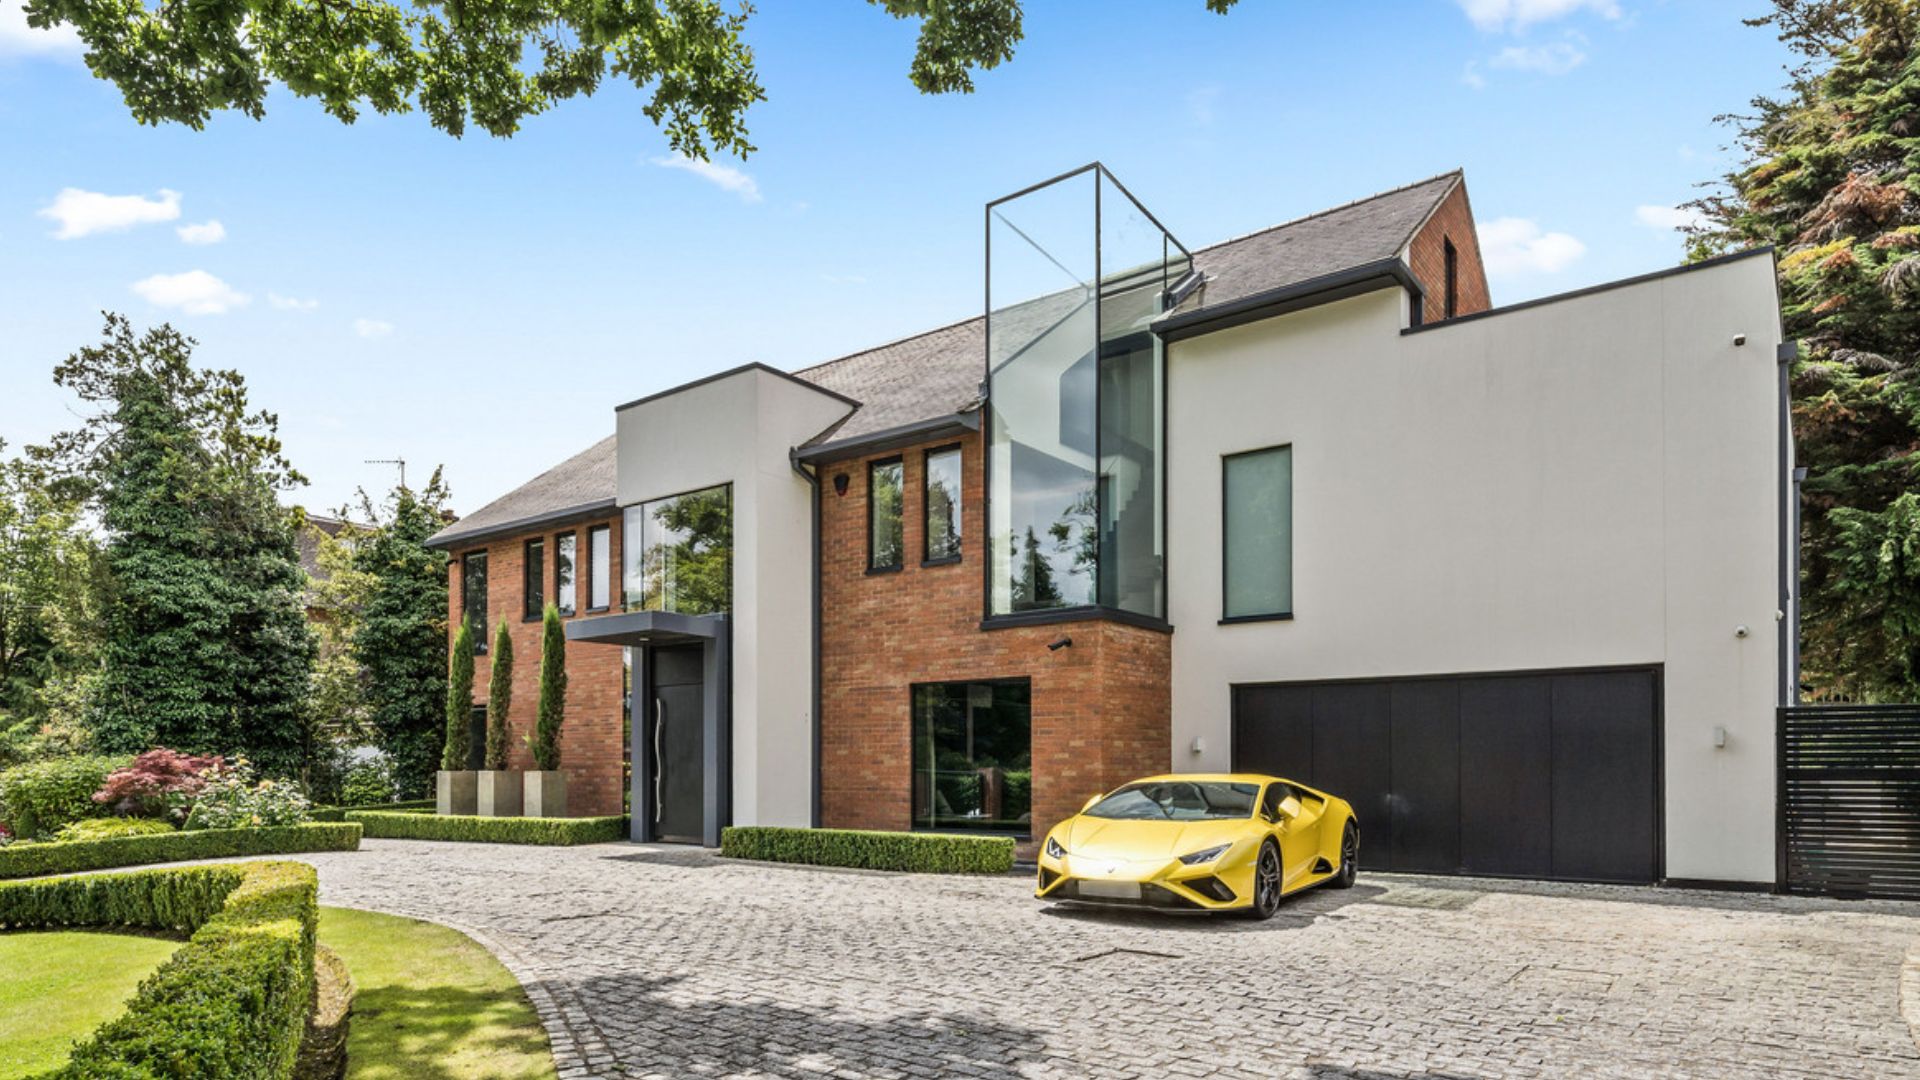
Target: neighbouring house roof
{"x":938,"y":374}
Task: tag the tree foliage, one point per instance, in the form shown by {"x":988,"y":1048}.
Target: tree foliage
{"x":1832,"y":180}
{"x":50,"y":587}
{"x":206,"y":646}
{"x":491,"y":63}
{"x":553,"y":690}
{"x":499,"y":697}
{"x":457,"y":749}
{"x":400,"y":636}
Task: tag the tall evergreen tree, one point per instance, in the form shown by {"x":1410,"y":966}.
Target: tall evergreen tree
{"x":553,"y":691}
{"x":499,"y":697}
{"x":207,"y":647}
{"x":1832,"y":180}
{"x":458,"y":746}
{"x":400,"y":641}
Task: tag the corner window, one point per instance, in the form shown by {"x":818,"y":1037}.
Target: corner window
{"x":943,"y":505}
{"x":534,"y":573}
{"x":564,"y":593}
{"x":678,"y":553}
{"x":886,"y":484}
{"x":473,"y":597}
{"x":1257,"y":508}
{"x":972,"y":754}
{"x":599,"y":567}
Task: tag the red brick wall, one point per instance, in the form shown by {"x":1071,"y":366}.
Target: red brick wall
{"x":1101,"y":709}
{"x":592,"y":750}
{"x":1427,"y":257}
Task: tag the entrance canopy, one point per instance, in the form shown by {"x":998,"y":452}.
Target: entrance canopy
{"x":647,"y":628}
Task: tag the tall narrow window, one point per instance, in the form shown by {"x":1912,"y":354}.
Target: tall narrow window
{"x":1257,"y":506}
{"x":886,"y":483}
{"x":943,"y":505}
{"x":535,"y":577}
{"x":563,"y":587}
{"x":473,"y":597}
{"x":1453,"y":277}
{"x":599,"y":568}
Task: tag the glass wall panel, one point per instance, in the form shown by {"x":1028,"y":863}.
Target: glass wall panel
{"x":1258,"y":506}
{"x":943,"y":504}
{"x":972,"y":754}
{"x":563,"y":587}
{"x":678,"y":553}
{"x":886,"y":525}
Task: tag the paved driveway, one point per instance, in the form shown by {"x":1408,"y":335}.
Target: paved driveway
{"x":654,"y":961}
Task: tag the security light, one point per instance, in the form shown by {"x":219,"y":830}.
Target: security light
{"x":839,"y":483}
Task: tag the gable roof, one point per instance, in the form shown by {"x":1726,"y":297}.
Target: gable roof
{"x":938,"y":374}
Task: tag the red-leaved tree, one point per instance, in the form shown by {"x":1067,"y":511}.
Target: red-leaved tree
{"x":158,"y":783}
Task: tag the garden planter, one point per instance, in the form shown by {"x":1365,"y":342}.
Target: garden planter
{"x":499,"y":794}
{"x":545,"y":794}
{"x":455,"y":792}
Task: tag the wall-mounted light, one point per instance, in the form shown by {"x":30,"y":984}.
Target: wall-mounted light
{"x":1061,"y":644}
{"x":1719,"y":737}
{"x":1199,"y":745}
{"x":840,"y":483}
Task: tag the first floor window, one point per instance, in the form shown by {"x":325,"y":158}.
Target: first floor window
{"x":678,"y":553}
{"x":473,"y":597}
{"x":886,"y":485}
{"x":1257,"y":509}
{"x":972,"y":756}
{"x":563,"y":589}
{"x":536,"y":578}
{"x":943,"y":504}
{"x":599,"y":567}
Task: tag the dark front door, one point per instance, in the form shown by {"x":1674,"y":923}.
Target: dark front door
{"x":678,"y":721}
{"x":1540,"y":775}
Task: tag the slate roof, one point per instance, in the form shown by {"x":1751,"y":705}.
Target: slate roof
{"x":938,"y":373}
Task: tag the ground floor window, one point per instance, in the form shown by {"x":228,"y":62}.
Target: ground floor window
{"x":972,"y":756}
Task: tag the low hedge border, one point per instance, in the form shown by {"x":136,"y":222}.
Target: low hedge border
{"x":74,"y":856}
{"x":339,"y":813}
{"x":559,"y":832}
{"x":920,"y":853}
{"x":231,"y":1004}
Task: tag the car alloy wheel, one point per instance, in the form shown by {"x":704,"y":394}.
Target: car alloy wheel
{"x":1266,"y":883}
{"x":1349,"y":858}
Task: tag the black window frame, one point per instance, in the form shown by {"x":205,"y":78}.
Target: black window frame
{"x":1450,"y":255}
{"x":927,"y":557}
{"x":586,"y":572}
{"x":1225,"y":508}
{"x":872,"y":467}
{"x":479,"y":629}
{"x":913,"y":754}
{"x":533,"y":578}
{"x":573,"y":564}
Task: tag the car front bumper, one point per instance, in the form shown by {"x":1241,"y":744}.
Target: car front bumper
{"x":1165,"y":884}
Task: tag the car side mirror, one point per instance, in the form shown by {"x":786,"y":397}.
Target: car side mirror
{"x":1290,"y":807}
{"x":1090,"y":802}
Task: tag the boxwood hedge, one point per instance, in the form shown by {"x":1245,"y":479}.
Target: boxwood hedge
{"x":38,"y":860}
{"x":231,"y":1004}
{"x":924,"y":853}
{"x":401,"y":825}
{"x":339,"y":813}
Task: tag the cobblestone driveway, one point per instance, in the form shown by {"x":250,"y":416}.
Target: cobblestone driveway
{"x":672,"y":962}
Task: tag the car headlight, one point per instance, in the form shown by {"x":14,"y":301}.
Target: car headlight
{"x":1206,"y":856}
{"x":1054,"y":850}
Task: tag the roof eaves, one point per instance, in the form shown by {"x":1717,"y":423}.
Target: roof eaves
{"x":452,"y":536}
{"x":1325,"y":289}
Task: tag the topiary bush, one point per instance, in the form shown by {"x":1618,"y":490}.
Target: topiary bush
{"x":560,"y":832}
{"x":38,"y":798}
{"x":456,"y":750}
{"x":922,"y":853}
{"x":553,"y":691}
{"x":107,"y":828}
{"x":232,"y":1004}
{"x":39,"y":860}
{"x":499,"y":699}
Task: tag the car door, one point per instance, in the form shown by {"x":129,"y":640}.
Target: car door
{"x":1296,"y":825}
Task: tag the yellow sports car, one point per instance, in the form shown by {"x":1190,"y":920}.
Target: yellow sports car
{"x":1209,"y":842}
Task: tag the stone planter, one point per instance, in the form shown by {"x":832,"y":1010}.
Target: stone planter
{"x":456,"y":792}
{"x":499,"y":793}
{"x":545,"y":793}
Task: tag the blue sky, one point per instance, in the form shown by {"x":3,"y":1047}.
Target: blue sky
{"x":391,"y":291}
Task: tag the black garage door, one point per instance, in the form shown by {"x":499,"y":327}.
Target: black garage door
{"x":1538,"y":775}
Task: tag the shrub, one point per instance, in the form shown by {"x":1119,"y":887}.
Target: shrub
{"x":232,"y":799}
{"x":103,"y":828}
{"x":400,"y":825}
{"x":37,"y":860}
{"x":37,"y":798}
{"x":916,"y":852}
{"x":455,"y":752}
{"x":367,"y":782}
{"x":553,"y":691}
{"x":499,"y":698}
{"x":232,"y":1004}
{"x":157,"y":783}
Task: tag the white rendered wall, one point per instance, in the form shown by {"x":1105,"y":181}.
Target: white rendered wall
{"x":1589,"y":482}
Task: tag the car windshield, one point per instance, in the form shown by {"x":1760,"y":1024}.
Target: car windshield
{"x":1178,"y":800}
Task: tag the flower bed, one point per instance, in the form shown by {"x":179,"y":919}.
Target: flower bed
{"x":923,"y":853}
{"x":37,"y":860}
{"x":231,"y":1004}
{"x":400,"y":825}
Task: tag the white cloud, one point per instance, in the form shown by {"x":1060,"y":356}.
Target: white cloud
{"x":1512,"y":247}
{"x":290,"y":303}
{"x":725,"y":177}
{"x":1557,"y":58}
{"x":19,"y":39}
{"x":195,"y":292}
{"x":1495,"y":15}
{"x":83,"y":213}
{"x":1669,"y":217}
{"x":1472,"y":77}
{"x":207,"y":232}
{"x":372,"y":328}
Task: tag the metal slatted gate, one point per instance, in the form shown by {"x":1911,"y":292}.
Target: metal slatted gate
{"x":1850,"y":800}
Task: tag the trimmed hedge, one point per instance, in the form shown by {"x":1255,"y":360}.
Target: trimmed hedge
{"x":231,"y":1004}
{"x":39,"y":860}
{"x":339,"y":813}
{"x":920,"y":853}
{"x":559,"y":832}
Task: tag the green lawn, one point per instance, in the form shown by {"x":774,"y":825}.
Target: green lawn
{"x":429,"y":1004}
{"x":56,"y":987}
